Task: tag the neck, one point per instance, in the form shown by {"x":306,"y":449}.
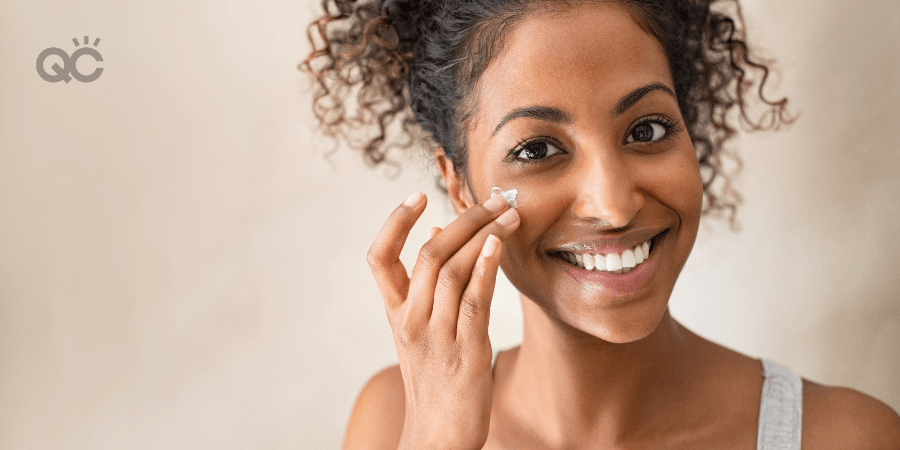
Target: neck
{"x":582,"y":387}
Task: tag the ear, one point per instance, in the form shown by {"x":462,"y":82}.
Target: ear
{"x":457,"y":189}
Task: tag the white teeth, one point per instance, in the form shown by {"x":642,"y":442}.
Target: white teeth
{"x":599,"y":262}
{"x":613,"y":262}
{"x":628,"y":260}
{"x":588,"y":261}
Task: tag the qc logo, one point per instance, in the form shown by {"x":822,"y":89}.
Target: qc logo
{"x":69,"y":69}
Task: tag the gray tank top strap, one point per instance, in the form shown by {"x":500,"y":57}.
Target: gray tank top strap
{"x":494,"y":361}
{"x":780,"y":408}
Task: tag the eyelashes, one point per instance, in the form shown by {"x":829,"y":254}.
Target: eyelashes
{"x":669,"y":129}
{"x":534,"y":149}
{"x":641,"y":136}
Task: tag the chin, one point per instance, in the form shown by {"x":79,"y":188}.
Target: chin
{"x":619,"y":330}
{"x":615,"y":323}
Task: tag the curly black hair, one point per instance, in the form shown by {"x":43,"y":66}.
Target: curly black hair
{"x":416,"y":63}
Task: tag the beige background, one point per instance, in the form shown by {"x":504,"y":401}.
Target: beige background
{"x":180,"y":267}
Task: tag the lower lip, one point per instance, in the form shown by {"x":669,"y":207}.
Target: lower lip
{"x":614,"y":283}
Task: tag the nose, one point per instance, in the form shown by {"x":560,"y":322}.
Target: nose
{"x":607,"y":189}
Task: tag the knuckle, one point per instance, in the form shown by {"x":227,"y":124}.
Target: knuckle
{"x":408,"y":333}
{"x":374,"y":258}
{"x":470,"y":307}
{"x":448,"y":277}
{"x":452,"y":361}
{"x":430,"y":254}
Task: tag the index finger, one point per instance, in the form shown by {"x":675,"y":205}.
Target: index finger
{"x":384,"y":254}
{"x":438,"y":250}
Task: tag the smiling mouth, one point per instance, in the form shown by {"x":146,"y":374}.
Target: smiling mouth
{"x":619,"y":263}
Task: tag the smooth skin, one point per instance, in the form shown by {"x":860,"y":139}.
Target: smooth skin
{"x":596,"y":368}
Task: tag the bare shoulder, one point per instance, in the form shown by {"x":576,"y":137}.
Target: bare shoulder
{"x":839,"y":417}
{"x":377,"y":417}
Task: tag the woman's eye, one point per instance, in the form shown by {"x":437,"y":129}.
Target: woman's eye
{"x":646,"y":132}
{"x":537,"y":150}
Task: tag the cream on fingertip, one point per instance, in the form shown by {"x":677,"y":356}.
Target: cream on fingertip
{"x":509,"y":195}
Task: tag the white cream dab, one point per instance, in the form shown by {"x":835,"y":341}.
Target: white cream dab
{"x":509,"y":195}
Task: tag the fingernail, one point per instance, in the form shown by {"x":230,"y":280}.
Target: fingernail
{"x":414,"y":199}
{"x":490,"y":246}
{"x":495,"y":204}
{"x":508,"y":218}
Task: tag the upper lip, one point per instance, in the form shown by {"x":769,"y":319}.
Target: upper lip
{"x":609,"y":244}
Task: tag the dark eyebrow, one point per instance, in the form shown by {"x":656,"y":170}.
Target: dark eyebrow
{"x":545,"y":113}
{"x":556,"y":115}
{"x":636,"y":95}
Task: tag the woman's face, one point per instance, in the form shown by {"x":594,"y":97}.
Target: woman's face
{"x":578,"y":114}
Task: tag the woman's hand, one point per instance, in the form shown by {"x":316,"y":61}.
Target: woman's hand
{"x":439,"y":319}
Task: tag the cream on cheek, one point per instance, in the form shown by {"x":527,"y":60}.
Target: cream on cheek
{"x":539,"y":198}
{"x":539,"y":205}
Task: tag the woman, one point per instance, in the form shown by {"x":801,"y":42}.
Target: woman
{"x":609,"y":119}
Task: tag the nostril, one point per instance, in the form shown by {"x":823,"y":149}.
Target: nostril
{"x":609,"y":218}
{"x":612,"y":209}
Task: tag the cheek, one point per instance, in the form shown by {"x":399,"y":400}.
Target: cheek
{"x":676,"y":183}
{"x":540,"y":203}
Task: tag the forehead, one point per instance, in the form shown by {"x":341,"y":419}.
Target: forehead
{"x":581,"y":60}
